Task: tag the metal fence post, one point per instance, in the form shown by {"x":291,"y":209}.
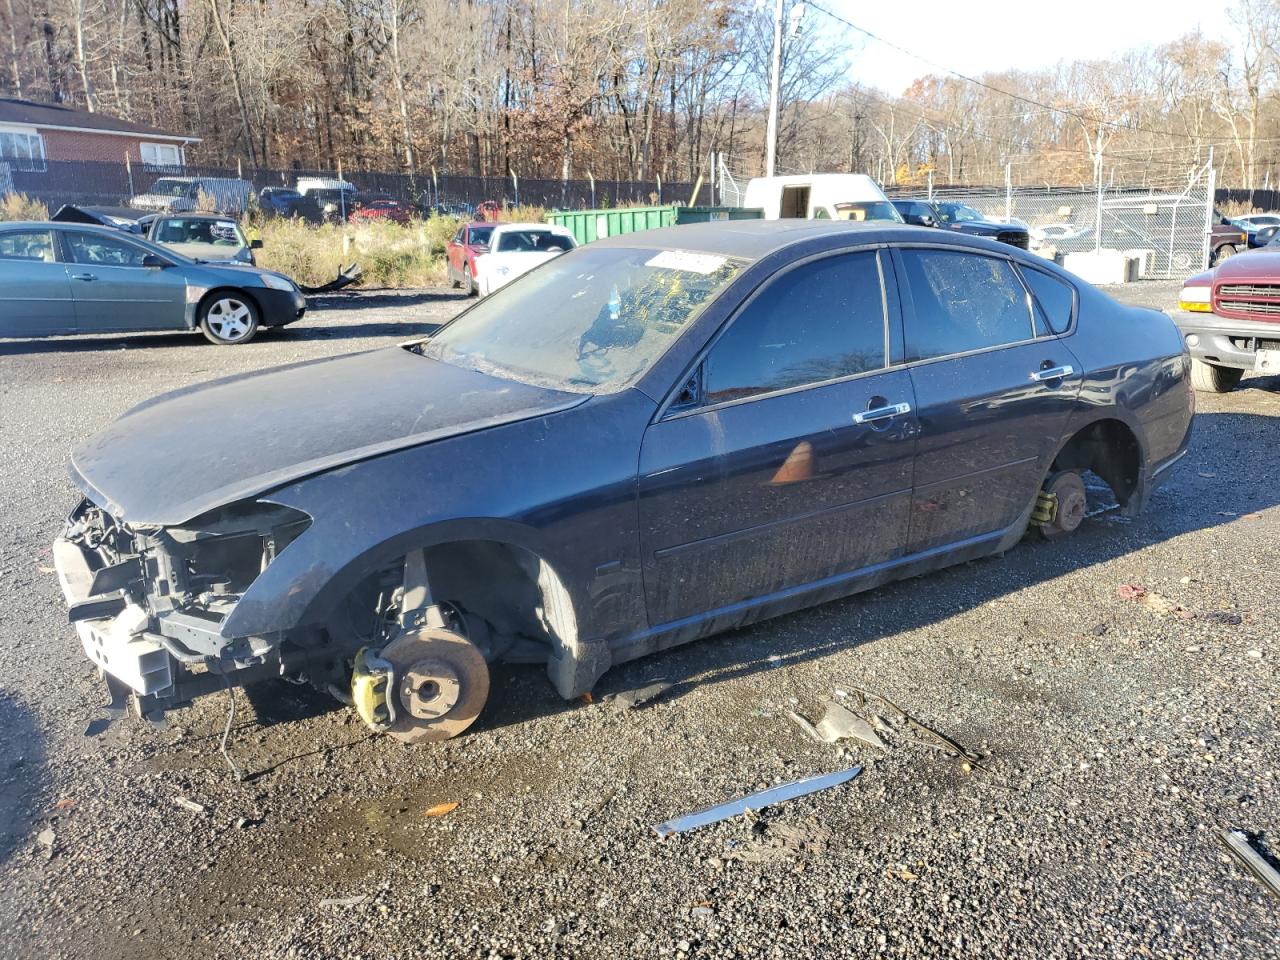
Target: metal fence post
{"x":1209,"y":198}
{"x":1008,"y":191}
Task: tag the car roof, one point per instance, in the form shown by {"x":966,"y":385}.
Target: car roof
{"x":57,"y":225}
{"x":194,"y":216}
{"x":753,"y":239}
{"x":530,"y":226}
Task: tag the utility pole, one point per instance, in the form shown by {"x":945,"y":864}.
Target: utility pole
{"x":771,"y":138}
{"x":1097,"y":185}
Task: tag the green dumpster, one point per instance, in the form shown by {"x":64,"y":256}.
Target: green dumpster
{"x":588,"y":225}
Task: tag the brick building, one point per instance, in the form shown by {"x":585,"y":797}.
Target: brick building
{"x":33,"y":135}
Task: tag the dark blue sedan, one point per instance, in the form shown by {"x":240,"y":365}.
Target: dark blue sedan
{"x":647,"y":440}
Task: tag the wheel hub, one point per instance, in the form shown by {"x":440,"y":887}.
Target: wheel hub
{"x":442,"y":683}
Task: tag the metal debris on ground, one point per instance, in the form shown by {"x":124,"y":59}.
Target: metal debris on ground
{"x":630,"y":699}
{"x":343,"y":901}
{"x":46,"y":838}
{"x":1242,"y":850}
{"x":346,"y":276}
{"x":755,"y":801}
{"x":189,"y":805}
{"x":839,"y":723}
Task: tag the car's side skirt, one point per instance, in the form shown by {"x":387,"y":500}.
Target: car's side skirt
{"x":786,"y":601}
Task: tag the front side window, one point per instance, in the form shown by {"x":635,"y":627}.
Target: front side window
{"x":221,"y":233}
{"x":104,"y":251}
{"x":28,"y":245}
{"x":590,"y":321}
{"x":818,"y":322}
{"x":962,"y":302}
{"x":166,"y":187}
{"x":1054,"y":301}
{"x":22,"y":150}
{"x":480,"y":235}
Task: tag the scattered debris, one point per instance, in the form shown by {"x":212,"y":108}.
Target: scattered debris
{"x":773,"y":841}
{"x":346,"y":276}
{"x":1153,"y":601}
{"x":1099,"y":630}
{"x":189,"y":805}
{"x":1223,"y":617}
{"x":66,"y":803}
{"x":440,"y":809}
{"x":587,"y":698}
{"x":45,"y":568}
{"x":630,"y":699}
{"x":46,"y":838}
{"x":343,"y":901}
{"x":755,"y":801}
{"x":1242,"y":850}
{"x":839,"y":723}
{"x":1208,"y":476}
{"x":902,"y":873}
{"x":703,"y":913}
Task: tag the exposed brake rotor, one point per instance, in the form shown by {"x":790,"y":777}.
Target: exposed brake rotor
{"x":441,"y":684}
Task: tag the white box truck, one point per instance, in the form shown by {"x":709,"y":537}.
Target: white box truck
{"x":820,"y":196}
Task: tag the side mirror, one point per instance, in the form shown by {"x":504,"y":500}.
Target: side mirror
{"x":151,"y":260}
{"x":255,"y":244}
{"x":928,"y":221}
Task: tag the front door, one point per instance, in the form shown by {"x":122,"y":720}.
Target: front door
{"x":35,"y":294}
{"x":114,"y":291}
{"x":790,"y":461}
{"x":993,"y":396}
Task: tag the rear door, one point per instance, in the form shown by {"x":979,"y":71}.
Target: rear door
{"x":993,"y":393}
{"x":114,"y":291}
{"x":35,"y":294}
{"x":790,"y":462}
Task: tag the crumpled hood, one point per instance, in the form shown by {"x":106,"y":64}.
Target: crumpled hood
{"x":183,"y":453}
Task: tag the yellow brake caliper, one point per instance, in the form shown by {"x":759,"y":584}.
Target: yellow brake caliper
{"x":1046,"y":508}
{"x":372,"y":683}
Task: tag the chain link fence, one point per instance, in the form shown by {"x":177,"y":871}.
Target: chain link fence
{"x":1166,"y":227}
{"x":102,"y":183}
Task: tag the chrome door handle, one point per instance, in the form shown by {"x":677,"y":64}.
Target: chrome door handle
{"x":882,"y":413}
{"x":1053,"y":373}
{"x":83,"y":276}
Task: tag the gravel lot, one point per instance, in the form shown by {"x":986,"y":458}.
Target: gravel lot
{"x":1116,"y":739}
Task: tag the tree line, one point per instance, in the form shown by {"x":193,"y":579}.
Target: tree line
{"x":634,"y":90}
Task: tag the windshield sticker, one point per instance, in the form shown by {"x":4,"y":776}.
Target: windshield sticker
{"x":703,"y":263}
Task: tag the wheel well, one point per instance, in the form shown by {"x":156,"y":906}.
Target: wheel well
{"x":518,"y":592}
{"x":1110,"y":449}
{"x":238,"y":291}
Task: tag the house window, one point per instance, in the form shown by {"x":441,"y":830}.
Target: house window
{"x":162,"y":156}
{"x":22,"y":149}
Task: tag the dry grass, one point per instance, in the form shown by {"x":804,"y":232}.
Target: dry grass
{"x":390,"y":254}
{"x":18,"y":206}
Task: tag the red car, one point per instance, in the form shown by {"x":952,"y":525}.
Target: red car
{"x":1230,"y":319}
{"x":471,"y":241}
{"x":382,"y":210}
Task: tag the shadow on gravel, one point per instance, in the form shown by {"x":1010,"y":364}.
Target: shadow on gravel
{"x":404,"y":330}
{"x":105,"y":344}
{"x":23,"y":776}
{"x":360,"y":299}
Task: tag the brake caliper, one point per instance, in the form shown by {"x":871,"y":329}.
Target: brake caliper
{"x":373,"y":690}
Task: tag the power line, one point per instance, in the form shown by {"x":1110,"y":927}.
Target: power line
{"x":994,"y":89}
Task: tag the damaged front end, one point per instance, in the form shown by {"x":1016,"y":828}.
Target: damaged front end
{"x":149,"y":601}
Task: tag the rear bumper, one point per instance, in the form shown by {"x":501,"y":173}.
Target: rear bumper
{"x":280,"y":307}
{"x":1226,"y":342}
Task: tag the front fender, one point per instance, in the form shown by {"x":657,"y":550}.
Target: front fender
{"x":562,"y":486}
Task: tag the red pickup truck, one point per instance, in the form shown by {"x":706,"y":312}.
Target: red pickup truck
{"x":471,"y":241}
{"x":1230,"y":320}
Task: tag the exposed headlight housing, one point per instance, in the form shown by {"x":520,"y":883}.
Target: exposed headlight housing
{"x":277,"y":283}
{"x":1195,"y":299}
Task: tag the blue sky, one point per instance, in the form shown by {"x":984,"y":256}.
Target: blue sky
{"x":974,"y":36}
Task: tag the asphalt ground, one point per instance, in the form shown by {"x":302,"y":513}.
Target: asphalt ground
{"x":1116,"y":737}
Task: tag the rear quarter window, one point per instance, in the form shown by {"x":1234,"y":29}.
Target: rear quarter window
{"x":1055,"y":302}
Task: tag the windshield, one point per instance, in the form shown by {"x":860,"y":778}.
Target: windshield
{"x":590,"y":321}
{"x":868,"y":210}
{"x":170,"y":188}
{"x":220,"y":233}
{"x":958,"y":213}
{"x":531,"y":241}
